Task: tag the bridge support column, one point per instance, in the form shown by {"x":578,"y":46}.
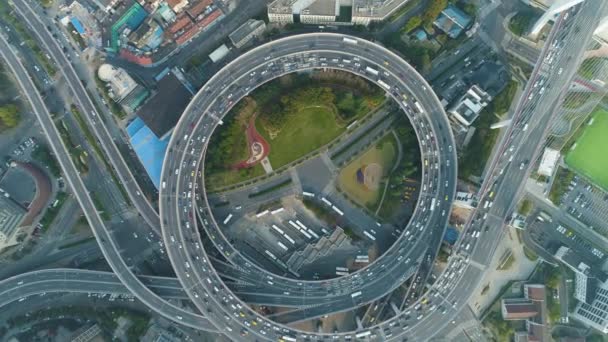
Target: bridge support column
{"x":395,"y":308}
{"x":556,"y":7}
{"x":359,"y":323}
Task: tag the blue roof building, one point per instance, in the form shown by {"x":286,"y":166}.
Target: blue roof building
{"x":149,"y":148}
{"x":451,"y":235}
{"x":77,"y":25}
{"x":420,"y":34}
{"x":452,"y":21}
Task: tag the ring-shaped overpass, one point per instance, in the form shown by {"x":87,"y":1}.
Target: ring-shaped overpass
{"x":186,"y":157}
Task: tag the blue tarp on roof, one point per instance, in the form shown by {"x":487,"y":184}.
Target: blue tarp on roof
{"x":451,"y":235}
{"x":149,"y":149}
{"x":77,"y":25}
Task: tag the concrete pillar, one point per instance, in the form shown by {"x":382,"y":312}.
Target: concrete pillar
{"x":557,"y":7}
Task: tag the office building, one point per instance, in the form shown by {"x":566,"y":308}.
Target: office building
{"x":11,"y":216}
{"x":245,"y":33}
{"x":468,"y":107}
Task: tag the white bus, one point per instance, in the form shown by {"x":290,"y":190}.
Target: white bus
{"x":262,"y":213}
{"x":294,"y":225}
{"x":325,"y":201}
{"x":343,"y":269}
{"x":301,"y":224}
{"x":289,"y":239}
{"x":384,"y":85}
{"x":282,"y":246}
{"x":419,"y":107}
{"x":271,"y":255}
{"x":228,"y":218}
{"x":349,"y":40}
{"x":340,"y":273}
{"x":363,"y":334}
{"x":325,"y":231}
{"x":311,"y":232}
{"x":276,"y":211}
{"x":340,"y":212}
{"x":355,"y":294}
{"x":279,"y":230}
{"x":370,"y":236}
{"x":308,"y":194}
{"x":433,"y":201}
{"x":305,"y":233}
{"x":289,"y":338}
{"x":372,"y":71}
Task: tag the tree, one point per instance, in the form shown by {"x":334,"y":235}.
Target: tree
{"x":412,"y":23}
{"x":9,"y":115}
{"x":432,"y":11}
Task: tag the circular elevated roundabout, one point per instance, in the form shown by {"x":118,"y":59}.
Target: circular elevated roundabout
{"x":184,"y":219}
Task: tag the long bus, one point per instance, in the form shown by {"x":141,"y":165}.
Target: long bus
{"x":289,"y":239}
{"x":308,"y":194}
{"x":340,"y":273}
{"x":370,"y":236}
{"x":262,"y":213}
{"x":372,"y":71}
{"x":279,"y":230}
{"x":228,"y":218}
{"x":282,"y":246}
{"x":289,"y":338}
{"x":311,"y":232}
{"x":325,"y":201}
{"x":294,"y":225}
{"x":301,"y":224}
{"x":342,"y":269}
{"x":270,"y":255}
{"x":349,"y":40}
{"x":276,"y":211}
{"x":419,"y":107}
{"x":363,"y":334}
{"x":340,"y":212}
{"x":384,"y":85}
{"x":433,"y":201}
{"x":356,"y":294}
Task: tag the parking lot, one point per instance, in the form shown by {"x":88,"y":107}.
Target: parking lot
{"x":588,"y":204}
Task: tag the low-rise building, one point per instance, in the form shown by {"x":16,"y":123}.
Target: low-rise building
{"x":359,"y":12}
{"x":532,"y":308}
{"x":452,"y":21}
{"x":11,"y":216}
{"x":122,"y":88}
{"x":245,"y":33}
{"x":548,"y":162}
{"x":320,"y":12}
{"x":468,"y":107}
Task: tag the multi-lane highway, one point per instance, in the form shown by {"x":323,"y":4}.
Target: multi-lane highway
{"x":186,"y":158}
{"x":104,"y":237}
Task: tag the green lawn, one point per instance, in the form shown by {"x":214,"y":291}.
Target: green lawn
{"x":589,"y":155}
{"x":311,"y":128}
{"x":382,"y":153}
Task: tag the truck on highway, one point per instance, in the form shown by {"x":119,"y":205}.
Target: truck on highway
{"x":356,"y":294}
{"x":419,"y":107}
{"x":372,"y":71}
{"x":349,"y":40}
{"x":433,"y":202}
{"x":384,"y":85}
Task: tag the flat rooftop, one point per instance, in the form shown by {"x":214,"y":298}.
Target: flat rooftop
{"x":163,"y":110}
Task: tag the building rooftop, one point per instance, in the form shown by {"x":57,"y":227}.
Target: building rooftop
{"x":467,"y":109}
{"x":244,"y":30}
{"x":376,"y":8}
{"x":519,"y":309}
{"x":164,"y":109}
{"x":120,"y":82}
{"x":281,"y":6}
{"x":322,"y":7}
{"x":491,"y":77}
{"x":548,"y":162}
{"x":452,"y":21}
